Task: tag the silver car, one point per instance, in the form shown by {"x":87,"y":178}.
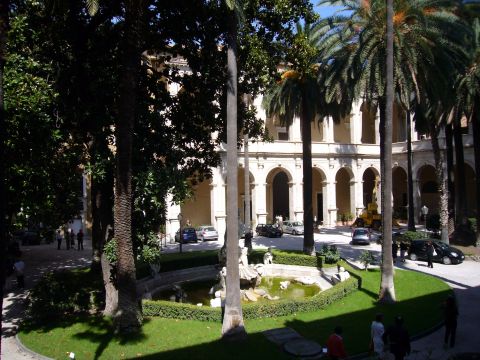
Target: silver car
{"x":361,"y":236}
{"x":207,"y":232}
{"x":293,"y":227}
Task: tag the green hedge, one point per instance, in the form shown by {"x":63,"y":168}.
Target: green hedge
{"x":177,"y":261}
{"x":173,"y":310}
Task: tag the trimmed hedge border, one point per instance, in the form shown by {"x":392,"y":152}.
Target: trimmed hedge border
{"x":173,"y":310}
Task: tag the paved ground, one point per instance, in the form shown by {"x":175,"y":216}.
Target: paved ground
{"x":463,"y":278}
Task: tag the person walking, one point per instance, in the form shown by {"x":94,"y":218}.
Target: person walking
{"x":394,"y":251}
{"x":430,"y":253}
{"x":403,"y":250}
{"x":335,"y":346}
{"x":377,"y":330}
{"x":451,"y":315}
{"x":58,"y":237}
{"x":398,"y":339}
{"x":80,"y":240}
{"x":19,"y":269}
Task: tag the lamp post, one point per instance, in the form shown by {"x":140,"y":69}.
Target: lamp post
{"x":425,"y":212}
{"x":180,"y":217}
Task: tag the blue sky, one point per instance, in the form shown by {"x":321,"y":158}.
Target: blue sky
{"x":325,"y":11}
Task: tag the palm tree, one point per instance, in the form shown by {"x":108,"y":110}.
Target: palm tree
{"x":356,"y":45}
{"x":297,"y":93}
{"x":128,"y":318}
{"x":4,"y":23}
{"x":233,"y":327}
{"x":468,"y":98}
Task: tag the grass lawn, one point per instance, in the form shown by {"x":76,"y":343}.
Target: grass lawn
{"x":419,"y":299}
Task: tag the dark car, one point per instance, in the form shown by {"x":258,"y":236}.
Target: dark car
{"x":269,"y":230}
{"x":189,"y":234}
{"x":27,"y":237}
{"x":445,"y":253}
{"x":361,"y":236}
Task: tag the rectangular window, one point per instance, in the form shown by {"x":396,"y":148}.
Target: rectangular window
{"x":282,"y":133}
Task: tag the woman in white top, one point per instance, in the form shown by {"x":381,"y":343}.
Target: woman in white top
{"x":377,"y":331}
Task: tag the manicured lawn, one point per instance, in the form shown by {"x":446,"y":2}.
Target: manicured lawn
{"x":419,"y":299}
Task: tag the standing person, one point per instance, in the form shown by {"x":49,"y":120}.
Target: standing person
{"x":72,"y":238}
{"x":19,"y":268}
{"x":58,"y":237}
{"x":398,"y":339}
{"x":335,"y":347}
{"x":451,"y":314}
{"x":430,"y":251}
{"x":80,"y":240}
{"x":377,"y":331}
{"x":403,"y":250}
{"x":394,"y":251}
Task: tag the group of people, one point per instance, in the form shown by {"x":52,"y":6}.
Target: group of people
{"x":395,"y":338}
{"x":70,"y":239}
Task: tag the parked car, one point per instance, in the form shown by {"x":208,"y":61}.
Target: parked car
{"x":207,"y":232}
{"x":361,"y":236}
{"x":445,"y":253}
{"x":188,"y":235}
{"x":293,"y":227}
{"x":268,"y":230}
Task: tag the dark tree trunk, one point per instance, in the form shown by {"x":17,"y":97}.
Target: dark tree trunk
{"x":442,"y":181}
{"x":4,"y":23}
{"x":306,"y":129}
{"x":476,"y":151}
{"x":128,"y":317}
{"x":102,"y":216}
{"x":450,"y":178}
{"x":387,"y":289}
{"x":411,"y":209}
{"x":233,"y":328}
{"x":461,"y":186}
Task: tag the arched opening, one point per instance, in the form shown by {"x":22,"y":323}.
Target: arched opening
{"x":344,"y":192}
{"x":470,"y":189}
{"x":399,"y":129}
{"x":428,"y":186}
{"x":400,"y":193}
{"x":368,"y":178}
{"x":341,"y":131}
{"x":279,"y":194}
{"x":319,"y":194}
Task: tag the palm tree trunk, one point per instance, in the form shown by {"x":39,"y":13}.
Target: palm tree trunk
{"x":233,"y":327}
{"x":476,"y":150}
{"x":128,"y":317}
{"x":461,"y":191}
{"x":450,"y":178}
{"x":411,"y":209}
{"x":387,"y":290}
{"x":441,"y":179}
{"x":305,"y":123}
{"x":4,"y":24}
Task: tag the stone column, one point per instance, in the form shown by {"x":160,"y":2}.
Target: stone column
{"x":328,"y":130}
{"x":261,"y":202}
{"x":377,"y":128}
{"x":218,"y":204}
{"x":359,"y":206}
{"x":356,"y":125}
{"x":172,"y":223}
{"x":332,"y":203}
{"x":294,"y":130}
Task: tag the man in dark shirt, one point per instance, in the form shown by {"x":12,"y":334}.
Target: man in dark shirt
{"x":398,"y":339}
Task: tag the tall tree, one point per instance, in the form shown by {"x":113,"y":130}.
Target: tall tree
{"x":233,"y":327}
{"x":128,"y":317}
{"x":4,"y":23}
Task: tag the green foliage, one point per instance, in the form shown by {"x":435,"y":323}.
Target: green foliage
{"x":472,"y":223}
{"x":409,"y":236}
{"x":331,"y":254}
{"x":63,"y":293}
{"x":366,"y":258}
{"x":150,"y":250}
{"x":170,"y":262}
{"x":110,"y":251}
{"x":169,"y":309}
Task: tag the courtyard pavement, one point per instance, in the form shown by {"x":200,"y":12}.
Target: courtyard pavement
{"x":463,"y":278}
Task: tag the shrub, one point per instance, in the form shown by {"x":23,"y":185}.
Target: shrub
{"x":409,"y":236}
{"x":177,"y":261}
{"x":331,"y":254}
{"x":271,"y":309}
{"x":366,"y":258}
{"x":58,"y":294}
{"x":472,"y":223}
